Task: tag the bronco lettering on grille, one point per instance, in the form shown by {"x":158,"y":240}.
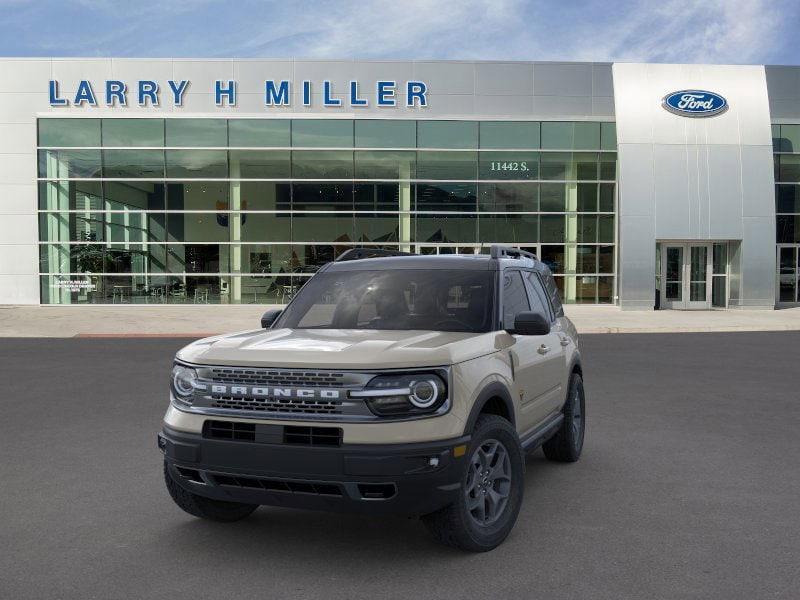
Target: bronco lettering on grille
{"x":274,"y":392}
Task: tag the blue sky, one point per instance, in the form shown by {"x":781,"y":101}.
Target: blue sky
{"x":712,"y":31}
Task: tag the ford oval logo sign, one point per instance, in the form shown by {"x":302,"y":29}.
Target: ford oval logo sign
{"x":695,"y":103}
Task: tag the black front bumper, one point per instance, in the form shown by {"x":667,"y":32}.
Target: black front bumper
{"x":404,"y":479}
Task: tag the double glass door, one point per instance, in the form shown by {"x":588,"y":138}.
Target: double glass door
{"x":686,"y":274}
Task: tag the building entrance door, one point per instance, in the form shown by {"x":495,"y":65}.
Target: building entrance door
{"x":686,"y":271}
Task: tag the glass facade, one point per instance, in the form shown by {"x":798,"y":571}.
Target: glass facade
{"x":786,"y":148}
{"x":245,"y":210}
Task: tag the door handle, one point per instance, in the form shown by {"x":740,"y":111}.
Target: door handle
{"x":564,"y":341}
{"x":543,"y":349}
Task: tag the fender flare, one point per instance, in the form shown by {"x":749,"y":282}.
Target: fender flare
{"x":492,"y":390}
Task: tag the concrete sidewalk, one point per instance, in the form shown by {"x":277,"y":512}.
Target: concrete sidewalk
{"x":198,"y":321}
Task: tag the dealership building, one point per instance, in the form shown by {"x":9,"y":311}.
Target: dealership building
{"x":166,"y":181}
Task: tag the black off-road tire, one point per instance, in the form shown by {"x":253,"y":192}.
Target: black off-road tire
{"x":206,"y":508}
{"x":567,"y":443}
{"x":454,"y":525}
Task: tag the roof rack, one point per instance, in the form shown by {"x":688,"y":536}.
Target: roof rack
{"x":359,"y":253}
{"x":509,"y":252}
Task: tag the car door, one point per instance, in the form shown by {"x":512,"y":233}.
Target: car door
{"x":531,"y":355}
{"x":555,"y":365}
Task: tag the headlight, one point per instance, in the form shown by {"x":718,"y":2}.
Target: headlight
{"x":184,"y":380}
{"x":404,"y":395}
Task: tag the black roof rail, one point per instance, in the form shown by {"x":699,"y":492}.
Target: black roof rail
{"x":509,"y":252}
{"x":359,"y":253}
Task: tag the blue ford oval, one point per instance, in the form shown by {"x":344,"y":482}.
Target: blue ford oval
{"x":695,"y":103}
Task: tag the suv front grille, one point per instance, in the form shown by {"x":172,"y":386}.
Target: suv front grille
{"x":269,"y":377}
{"x":312,"y":436}
{"x":230,"y":430}
{"x":280,"y":485}
{"x":278,"y":405}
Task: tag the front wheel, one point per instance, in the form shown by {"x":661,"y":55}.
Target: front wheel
{"x":490,"y":493}
{"x":567,"y":443}
{"x":205,"y":508}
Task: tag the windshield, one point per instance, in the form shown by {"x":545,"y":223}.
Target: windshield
{"x":435,"y":300}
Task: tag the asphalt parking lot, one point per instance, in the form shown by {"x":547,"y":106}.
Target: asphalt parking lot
{"x":689,"y":487}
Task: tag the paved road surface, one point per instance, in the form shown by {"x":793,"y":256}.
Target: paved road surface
{"x":689,"y":488}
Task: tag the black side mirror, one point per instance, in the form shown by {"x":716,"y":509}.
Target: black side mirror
{"x":269,"y":317}
{"x":531,"y":323}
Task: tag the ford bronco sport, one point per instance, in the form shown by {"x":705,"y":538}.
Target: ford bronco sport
{"x":390,"y":384}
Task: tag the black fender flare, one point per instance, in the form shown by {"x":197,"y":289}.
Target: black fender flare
{"x":492,"y":390}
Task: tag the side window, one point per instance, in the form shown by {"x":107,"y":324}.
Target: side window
{"x":552,"y":291}
{"x":537,"y":295}
{"x":515,"y":299}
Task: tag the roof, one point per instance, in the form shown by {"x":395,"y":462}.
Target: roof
{"x":475,"y":262}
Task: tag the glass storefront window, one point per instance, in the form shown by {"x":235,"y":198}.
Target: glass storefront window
{"x":789,"y":168}
{"x":69,"y":133}
{"x":322,"y":133}
{"x":382,"y":133}
{"x":509,"y":135}
{"x":228,"y":213}
{"x":131,"y":133}
{"x":447,"y":134}
{"x":259,"y":133}
{"x":196,"y":133}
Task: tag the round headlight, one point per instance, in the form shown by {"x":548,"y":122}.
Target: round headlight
{"x":424,"y":393}
{"x":183,"y":380}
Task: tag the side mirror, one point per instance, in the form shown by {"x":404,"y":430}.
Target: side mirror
{"x":531,"y":323}
{"x":269,"y":317}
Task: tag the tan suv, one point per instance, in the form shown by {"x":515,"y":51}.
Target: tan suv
{"x":390,"y":384}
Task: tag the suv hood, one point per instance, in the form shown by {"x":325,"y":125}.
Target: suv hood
{"x":339,"y":348}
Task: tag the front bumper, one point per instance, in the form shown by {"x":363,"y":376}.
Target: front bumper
{"x":403,"y":479}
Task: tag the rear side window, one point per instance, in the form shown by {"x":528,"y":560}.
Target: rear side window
{"x":515,"y":298}
{"x":537,"y":295}
{"x":552,"y":292}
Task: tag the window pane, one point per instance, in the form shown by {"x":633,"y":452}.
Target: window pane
{"x":62,"y":164}
{"x":606,"y":197}
{"x":605,"y":259}
{"x":199,"y":227}
{"x":605,"y":290}
{"x":790,"y":138}
{"x":586,"y":259}
{"x":197,"y":132}
{"x":447,"y":134}
{"x":587,"y":136}
{"x":446,"y":196}
{"x":134,"y":195}
{"x":385,"y":165}
{"x":553,"y":257}
{"x":249,"y":133}
{"x":608,"y":136}
{"x":322,"y":196}
{"x":552,"y":228}
{"x":512,"y":229}
{"x":379,"y":133}
{"x":133,"y":132}
{"x":69,"y":132}
{"x":322,"y":164}
{"x":789,"y":170}
{"x":515,"y":298}
{"x":508,"y":197}
{"x":377,"y":227}
{"x":608,"y":166}
{"x":198,"y":258}
{"x":70,"y":195}
{"x":197,"y":163}
{"x":198,"y":195}
{"x":509,"y":165}
{"x":266,"y":227}
{"x":445,"y":228}
{"x":78,"y":227}
{"x":316,"y":227}
{"x":720,"y":263}
{"x":447,"y":165}
{"x":787,"y":198}
{"x":553,"y":197}
{"x":557,"y":135}
{"x":587,"y":229}
{"x":509,"y":134}
{"x":587,"y":197}
{"x":382,"y":196}
{"x":260,"y":164}
{"x":605,"y":229}
{"x":132,"y":164}
{"x":585,"y":289}
{"x":322,"y":133}
{"x":787,"y":228}
{"x":585,"y":166}
{"x":264,"y":195}
{"x":556,"y":165}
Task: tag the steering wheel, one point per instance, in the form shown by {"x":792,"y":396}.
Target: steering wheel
{"x":461,"y":324}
